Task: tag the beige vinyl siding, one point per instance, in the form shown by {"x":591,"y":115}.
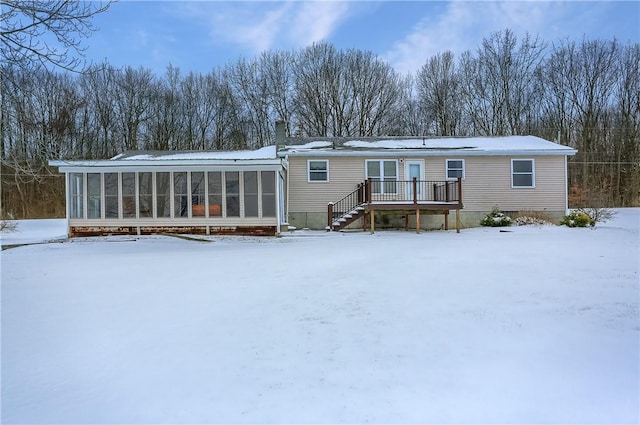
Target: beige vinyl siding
{"x":435,"y":168}
{"x":488,"y":184}
{"x":344,"y":176}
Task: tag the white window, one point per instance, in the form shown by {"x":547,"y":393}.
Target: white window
{"x":145,"y":194}
{"x":94,"y":195}
{"x":455,"y":169}
{"x":76,"y":194}
{"x":384,"y":175}
{"x":268,"y":187}
{"x":318,"y":170}
{"x":128,"y":195}
{"x":180,"y":195}
{"x":163,"y":194}
{"x":250,"y":189}
{"x":214,"y":184}
{"x":523,"y":173}
{"x":198,"y":204}
{"x":232,"y":193}
{"x":111,"y":195}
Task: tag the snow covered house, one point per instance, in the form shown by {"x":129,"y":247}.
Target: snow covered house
{"x":333,"y":182}
{"x":184,"y":192}
{"x":317,"y":183}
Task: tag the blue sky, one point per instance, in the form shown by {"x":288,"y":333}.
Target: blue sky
{"x":203,"y":35}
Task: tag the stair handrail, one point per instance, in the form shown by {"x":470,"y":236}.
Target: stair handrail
{"x":346,"y":204}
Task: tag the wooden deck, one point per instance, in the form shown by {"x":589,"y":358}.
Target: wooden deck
{"x":411,"y":197}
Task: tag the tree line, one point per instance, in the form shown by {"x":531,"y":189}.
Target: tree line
{"x":584,"y":94}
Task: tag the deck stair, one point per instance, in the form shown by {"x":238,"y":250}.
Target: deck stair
{"x":348,"y":209}
{"x":410,"y":196}
{"x":346,"y":219}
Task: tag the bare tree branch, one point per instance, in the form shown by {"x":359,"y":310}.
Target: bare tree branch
{"x":46,"y":32}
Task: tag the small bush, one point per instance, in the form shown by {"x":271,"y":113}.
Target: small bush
{"x":496,"y":218}
{"x":535,"y":218}
{"x":525,"y":220}
{"x":578,"y":219}
{"x":598,"y":215}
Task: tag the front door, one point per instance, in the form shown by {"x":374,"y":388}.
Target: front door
{"x":414,"y":168}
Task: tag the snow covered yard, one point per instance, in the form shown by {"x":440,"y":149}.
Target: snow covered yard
{"x":534,"y":325}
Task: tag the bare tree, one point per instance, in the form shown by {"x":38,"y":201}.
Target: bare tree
{"x":39,"y":123}
{"x":374,"y":88}
{"x":46,"y":32}
{"x":343,"y":93}
{"x":165,"y":122}
{"x":591,"y":79}
{"x":498,"y":83}
{"x":313,"y":70}
{"x":225,"y":125}
{"x":41,"y":33}
{"x":407,"y":116}
{"x":439,"y":94}
{"x":556,"y":109}
{"x":248,"y":80}
{"x":626,"y":137}
{"x":278,"y":74}
{"x":98,"y":86}
{"x":132,"y":101}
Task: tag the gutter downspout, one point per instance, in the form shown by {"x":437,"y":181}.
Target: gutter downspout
{"x":566,"y":187}
{"x":278,"y":212}
{"x":286,"y":201}
{"x":66,"y":202}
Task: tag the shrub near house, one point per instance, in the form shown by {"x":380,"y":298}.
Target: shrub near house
{"x":496,"y":218}
{"x":578,"y":219}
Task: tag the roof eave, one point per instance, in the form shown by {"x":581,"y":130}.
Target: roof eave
{"x":164,"y":163}
{"x":430,"y":152}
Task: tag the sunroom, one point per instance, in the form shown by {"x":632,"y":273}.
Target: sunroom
{"x":239,"y":192}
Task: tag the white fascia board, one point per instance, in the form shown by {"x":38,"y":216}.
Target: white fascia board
{"x":436,"y":153}
{"x":158,"y":165}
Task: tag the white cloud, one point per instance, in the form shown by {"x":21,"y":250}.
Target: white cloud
{"x":261,"y":30}
{"x":259,"y":26}
{"x":463,"y":24}
{"x":315,"y":21}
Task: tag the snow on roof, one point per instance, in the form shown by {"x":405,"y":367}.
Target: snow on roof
{"x":477,"y":145}
{"x":311,"y":145}
{"x":265,"y":156}
{"x":267,"y":152}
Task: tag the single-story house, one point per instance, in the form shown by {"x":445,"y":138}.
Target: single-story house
{"x":468,"y":175}
{"x":317,"y":183}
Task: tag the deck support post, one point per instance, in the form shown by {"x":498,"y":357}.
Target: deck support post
{"x":330,"y":216}
{"x":373,"y":221}
{"x":446,"y":219}
{"x":459,"y":204}
{"x":417,"y":221}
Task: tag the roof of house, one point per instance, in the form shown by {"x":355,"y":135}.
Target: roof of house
{"x":262,"y":156}
{"x":427,"y":146}
{"x":317,"y":146}
{"x":267,"y":152}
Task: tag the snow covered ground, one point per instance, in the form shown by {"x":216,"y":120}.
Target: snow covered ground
{"x":534,"y":325}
